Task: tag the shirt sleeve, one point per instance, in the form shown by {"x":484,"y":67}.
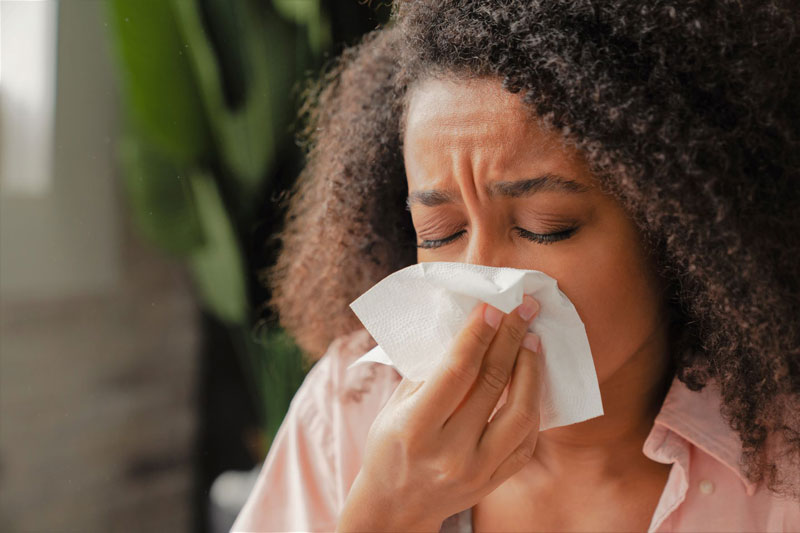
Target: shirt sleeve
{"x":318,"y":448}
{"x":295,"y":489}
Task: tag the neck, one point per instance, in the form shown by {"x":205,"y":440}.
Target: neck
{"x":610,"y":446}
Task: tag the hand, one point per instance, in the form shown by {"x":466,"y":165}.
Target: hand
{"x":432,"y":451}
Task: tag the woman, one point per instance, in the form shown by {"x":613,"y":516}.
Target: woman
{"x":647,"y":156}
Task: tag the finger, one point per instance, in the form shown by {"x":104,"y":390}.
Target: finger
{"x":404,"y":389}
{"x":452,"y":379}
{"x":472,"y":416}
{"x":521,"y":456}
{"x":511,"y":428}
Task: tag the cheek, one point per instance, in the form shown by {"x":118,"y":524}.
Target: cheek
{"x":612,"y":287}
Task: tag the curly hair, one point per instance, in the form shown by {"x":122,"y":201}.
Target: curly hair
{"x":688,"y":112}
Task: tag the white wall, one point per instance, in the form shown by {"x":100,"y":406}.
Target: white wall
{"x":59,"y":233}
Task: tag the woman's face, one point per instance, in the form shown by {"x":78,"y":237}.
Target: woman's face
{"x":488,"y":186}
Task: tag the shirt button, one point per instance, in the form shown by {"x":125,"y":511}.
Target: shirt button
{"x":706,"y":487}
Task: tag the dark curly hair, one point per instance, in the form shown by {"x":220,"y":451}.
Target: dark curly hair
{"x":688,"y":112}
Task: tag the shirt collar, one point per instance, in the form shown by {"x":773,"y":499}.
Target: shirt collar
{"x":695,"y":417}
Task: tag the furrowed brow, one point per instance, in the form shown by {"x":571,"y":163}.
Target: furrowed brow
{"x":430,"y":198}
{"x":511,"y":189}
{"x":528,"y":187}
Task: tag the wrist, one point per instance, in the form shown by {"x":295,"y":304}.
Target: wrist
{"x":366,"y":509}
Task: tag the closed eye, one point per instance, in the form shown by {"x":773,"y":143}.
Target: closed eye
{"x":540,"y":238}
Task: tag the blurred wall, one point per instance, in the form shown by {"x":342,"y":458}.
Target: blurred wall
{"x":98,"y":334}
{"x":64,"y":240}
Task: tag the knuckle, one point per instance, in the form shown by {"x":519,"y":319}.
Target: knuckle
{"x":388,"y":430}
{"x":494,"y":378}
{"x":407,"y":441}
{"x":463,"y":372}
{"x":449,"y":470}
{"x":525,"y":420}
{"x":479,"y":336}
{"x":516,"y":331}
{"x":399,"y":425}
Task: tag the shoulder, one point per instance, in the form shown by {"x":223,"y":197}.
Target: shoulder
{"x":336,"y":406}
{"x":720,"y":497}
{"x":318,"y":449}
{"x":708,"y":478}
{"x":331,"y":384}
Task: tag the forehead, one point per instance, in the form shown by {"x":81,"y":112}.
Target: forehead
{"x":465,"y":110}
{"x":450,"y":120}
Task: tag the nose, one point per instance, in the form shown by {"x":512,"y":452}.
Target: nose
{"x":490,"y":248}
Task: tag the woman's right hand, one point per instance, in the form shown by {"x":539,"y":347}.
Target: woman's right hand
{"x":432,"y":451}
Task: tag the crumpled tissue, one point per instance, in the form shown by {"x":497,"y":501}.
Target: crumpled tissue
{"x":415,"y":313}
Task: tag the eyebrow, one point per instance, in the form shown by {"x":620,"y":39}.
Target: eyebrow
{"x":509,"y":189}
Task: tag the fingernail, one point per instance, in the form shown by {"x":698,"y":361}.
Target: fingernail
{"x":531,"y":342}
{"x":528,"y":307}
{"x":492,"y":316}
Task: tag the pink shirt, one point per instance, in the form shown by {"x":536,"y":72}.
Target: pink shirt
{"x":318,"y":451}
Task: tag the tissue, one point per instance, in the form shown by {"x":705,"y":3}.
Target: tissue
{"x":415,"y":313}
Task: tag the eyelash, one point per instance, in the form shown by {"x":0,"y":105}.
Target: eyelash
{"x":540,"y":238}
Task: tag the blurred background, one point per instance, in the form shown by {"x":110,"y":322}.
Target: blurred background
{"x":145,"y":146}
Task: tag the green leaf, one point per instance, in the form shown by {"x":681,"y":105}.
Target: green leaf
{"x":218,"y":267}
{"x":299,"y":11}
{"x":274,"y":368}
{"x":248,"y":135}
{"x":281,"y":371}
{"x":161,"y":199}
{"x":158,"y":79}
{"x":307,"y":13}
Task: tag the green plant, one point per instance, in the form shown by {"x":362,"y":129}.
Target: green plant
{"x":206,"y":87}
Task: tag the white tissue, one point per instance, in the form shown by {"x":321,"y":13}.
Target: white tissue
{"x":415,"y":313}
